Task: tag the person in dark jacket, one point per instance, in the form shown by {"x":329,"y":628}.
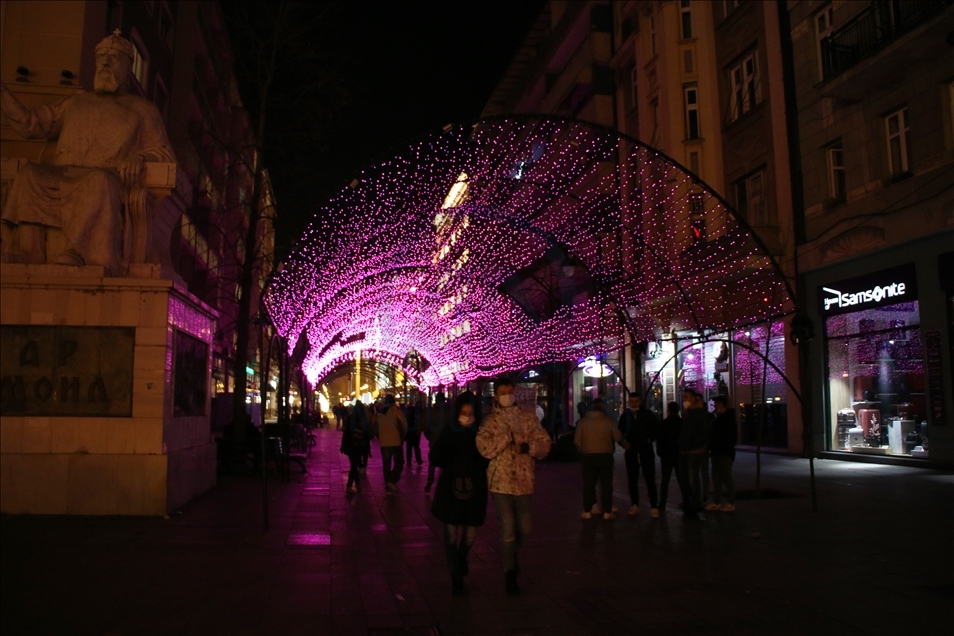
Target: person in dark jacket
{"x":667,"y":447}
{"x":356,"y":443}
{"x":722,"y":450}
{"x":412,"y":441}
{"x":460,"y":499}
{"x":639,"y":425}
{"x":693,"y":446}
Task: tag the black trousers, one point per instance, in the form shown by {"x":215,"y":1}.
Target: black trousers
{"x":598,"y":467}
{"x":644,"y":459}
{"x":667,"y":465}
{"x":413,"y":443}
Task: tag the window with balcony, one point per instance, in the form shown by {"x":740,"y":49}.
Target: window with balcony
{"x":822,"y":30}
{"x":899,"y":142}
{"x":745,"y":85}
{"x":750,"y":200}
{"x":691,"y":98}
{"x":685,"y":17}
{"x":835,"y":158}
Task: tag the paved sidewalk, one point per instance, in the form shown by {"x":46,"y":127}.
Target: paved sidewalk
{"x":878,"y":558}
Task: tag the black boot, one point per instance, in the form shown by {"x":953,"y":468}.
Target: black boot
{"x":510,"y":578}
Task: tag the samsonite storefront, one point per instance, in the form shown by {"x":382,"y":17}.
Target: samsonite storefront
{"x":880,"y":363}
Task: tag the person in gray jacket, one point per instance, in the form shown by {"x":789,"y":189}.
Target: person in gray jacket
{"x":596,"y":437}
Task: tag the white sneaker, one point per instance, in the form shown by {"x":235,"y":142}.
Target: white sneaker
{"x":654,"y":513}
{"x":712,"y":506}
{"x":609,"y":515}
{"x":727,"y":507}
{"x":597,"y":509}
{"x":633,"y":510}
{"x":586,"y":515}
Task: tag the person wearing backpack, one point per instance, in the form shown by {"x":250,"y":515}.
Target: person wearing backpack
{"x":356,"y":443}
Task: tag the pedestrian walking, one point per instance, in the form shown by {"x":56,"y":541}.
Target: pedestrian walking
{"x":460,"y":499}
{"x":639,"y":427}
{"x":667,"y":448}
{"x":355,"y":443}
{"x":722,"y":451}
{"x":512,"y":439}
{"x":596,"y":437}
{"x":412,"y":442}
{"x":391,"y":427}
{"x":693,"y":445}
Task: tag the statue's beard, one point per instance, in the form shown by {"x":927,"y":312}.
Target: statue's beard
{"x":106,"y":81}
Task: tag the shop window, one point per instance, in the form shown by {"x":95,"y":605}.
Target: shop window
{"x":899,"y":142}
{"x":876,"y":396}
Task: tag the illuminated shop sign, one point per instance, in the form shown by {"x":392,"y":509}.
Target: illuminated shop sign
{"x":887,"y":287}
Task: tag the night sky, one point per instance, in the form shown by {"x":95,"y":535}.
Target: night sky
{"x":381,"y":75}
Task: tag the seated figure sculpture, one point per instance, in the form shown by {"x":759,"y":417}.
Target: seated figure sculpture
{"x":105,"y":137}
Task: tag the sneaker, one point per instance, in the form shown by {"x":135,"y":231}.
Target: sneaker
{"x":654,"y":513}
{"x":711,"y":507}
{"x":609,"y":515}
{"x":586,"y":515}
{"x":633,"y":510}
{"x":427,"y":486}
{"x":597,"y":509}
{"x":727,"y":508}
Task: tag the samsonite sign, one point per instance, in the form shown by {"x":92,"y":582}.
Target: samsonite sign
{"x":887,"y":287}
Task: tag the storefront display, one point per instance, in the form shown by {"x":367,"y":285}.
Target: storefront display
{"x":876,"y":381}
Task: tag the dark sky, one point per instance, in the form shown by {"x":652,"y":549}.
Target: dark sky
{"x":392,"y":72}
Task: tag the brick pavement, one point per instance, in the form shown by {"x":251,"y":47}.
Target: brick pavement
{"x":878,"y":558}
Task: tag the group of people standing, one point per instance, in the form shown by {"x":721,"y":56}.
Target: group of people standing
{"x":684,"y":444}
{"x":496,"y":456}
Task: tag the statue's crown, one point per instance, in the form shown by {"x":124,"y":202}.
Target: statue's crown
{"x":117,"y":42}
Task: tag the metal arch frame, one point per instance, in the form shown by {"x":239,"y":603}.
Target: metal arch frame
{"x":600,"y":285}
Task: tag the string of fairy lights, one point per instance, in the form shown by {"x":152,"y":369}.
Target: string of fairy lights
{"x":447,"y":250}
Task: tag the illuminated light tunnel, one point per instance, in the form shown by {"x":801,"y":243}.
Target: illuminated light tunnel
{"x":515,"y":242}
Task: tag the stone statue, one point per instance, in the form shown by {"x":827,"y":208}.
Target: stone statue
{"x":104,"y":139}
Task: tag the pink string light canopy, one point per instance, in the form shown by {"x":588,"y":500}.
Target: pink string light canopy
{"x":514,"y":242}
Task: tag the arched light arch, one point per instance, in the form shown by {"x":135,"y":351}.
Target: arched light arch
{"x":519,"y":241}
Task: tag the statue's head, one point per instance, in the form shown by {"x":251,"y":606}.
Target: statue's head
{"x":114,"y":56}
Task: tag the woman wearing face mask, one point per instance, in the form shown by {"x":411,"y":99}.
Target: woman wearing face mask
{"x":460,"y":500}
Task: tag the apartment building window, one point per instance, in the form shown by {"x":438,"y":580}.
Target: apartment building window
{"x":692,"y":112}
{"x":140,"y":63}
{"x":652,"y":35}
{"x":685,"y":15}
{"x":836,"y":172}
{"x":744,"y":81}
{"x":899,"y":141}
{"x":750,"y":200}
{"x":822,"y":31}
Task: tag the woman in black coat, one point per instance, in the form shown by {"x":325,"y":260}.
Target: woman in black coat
{"x":356,"y":443}
{"x":460,"y":500}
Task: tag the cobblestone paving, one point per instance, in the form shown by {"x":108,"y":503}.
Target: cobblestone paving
{"x":878,"y":558}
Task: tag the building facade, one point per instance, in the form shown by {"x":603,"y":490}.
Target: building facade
{"x":875,"y":94}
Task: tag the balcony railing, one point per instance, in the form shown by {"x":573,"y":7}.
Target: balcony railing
{"x":873,"y":29}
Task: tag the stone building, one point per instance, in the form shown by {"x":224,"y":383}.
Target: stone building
{"x":182,"y":63}
{"x":874,"y":83}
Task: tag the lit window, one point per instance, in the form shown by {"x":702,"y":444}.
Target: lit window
{"x":836,"y":171}
{"x":140,"y":64}
{"x":692,"y":112}
{"x":899,"y":141}
{"x":686,"y":19}
{"x":744,"y":79}
{"x":822,"y":31}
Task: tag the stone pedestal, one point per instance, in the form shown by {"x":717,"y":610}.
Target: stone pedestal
{"x":106,"y":392}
